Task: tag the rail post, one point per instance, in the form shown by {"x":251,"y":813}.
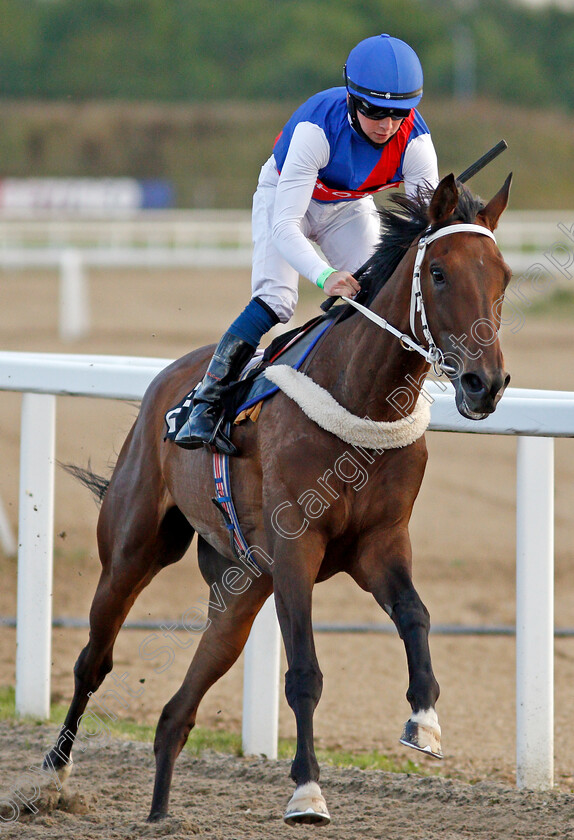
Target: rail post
{"x":535,"y":613}
{"x":35,"y":555}
{"x":74,"y":307}
{"x":261,"y":684}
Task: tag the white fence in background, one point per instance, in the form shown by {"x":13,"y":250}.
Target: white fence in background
{"x":174,"y":229}
{"x":212,"y":239}
{"x":536,"y":417}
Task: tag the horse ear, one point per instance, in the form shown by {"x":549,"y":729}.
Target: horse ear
{"x":444,"y":200}
{"x":496,"y":206}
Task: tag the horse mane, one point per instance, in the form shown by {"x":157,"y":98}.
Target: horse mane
{"x":401,"y":223}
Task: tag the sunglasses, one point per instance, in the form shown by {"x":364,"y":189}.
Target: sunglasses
{"x":374,"y":112}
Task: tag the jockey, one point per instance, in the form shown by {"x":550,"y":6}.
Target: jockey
{"x":338,"y":148}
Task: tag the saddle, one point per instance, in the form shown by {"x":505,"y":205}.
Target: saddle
{"x":244,"y":398}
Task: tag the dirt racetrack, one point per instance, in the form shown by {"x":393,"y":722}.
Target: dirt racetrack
{"x":464,"y":548}
{"x":219,"y":797}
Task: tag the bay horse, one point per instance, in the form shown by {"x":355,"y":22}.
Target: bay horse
{"x":159,"y":495}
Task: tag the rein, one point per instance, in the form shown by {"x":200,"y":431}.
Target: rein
{"x":433,"y":354}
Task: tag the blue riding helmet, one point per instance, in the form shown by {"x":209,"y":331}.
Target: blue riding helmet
{"x":386,"y":72}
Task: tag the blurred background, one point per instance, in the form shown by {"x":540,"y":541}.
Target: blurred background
{"x":133,"y":131}
{"x":192,"y":93}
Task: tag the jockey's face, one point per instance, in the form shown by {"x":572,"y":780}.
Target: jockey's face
{"x":379,"y":131}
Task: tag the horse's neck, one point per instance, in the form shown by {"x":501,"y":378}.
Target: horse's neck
{"x":364,"y":367}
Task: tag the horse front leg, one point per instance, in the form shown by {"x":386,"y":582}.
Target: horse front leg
{"x":384,"y":569}
{"x":411,"y":617}
{"x":293,"y":585}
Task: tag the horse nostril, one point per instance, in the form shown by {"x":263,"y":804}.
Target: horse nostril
{"x":472,"y":383}
{"x":497,"y":392}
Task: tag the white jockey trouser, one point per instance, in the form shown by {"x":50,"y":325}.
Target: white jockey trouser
{"x":347,"y":233}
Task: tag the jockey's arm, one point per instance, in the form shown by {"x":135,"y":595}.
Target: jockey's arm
{"x":308,"y":153}
{"x":420,"y":164}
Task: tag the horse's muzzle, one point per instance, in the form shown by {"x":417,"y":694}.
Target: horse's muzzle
{"x":478,"y":392}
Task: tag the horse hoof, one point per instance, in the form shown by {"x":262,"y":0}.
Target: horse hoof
{"x":307,"y":806}
{"x":156,"y":816}
{"x":63,"y":772}
{"x":422,"y":732}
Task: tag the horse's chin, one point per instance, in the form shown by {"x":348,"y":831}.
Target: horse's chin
{"x":466,"y":411}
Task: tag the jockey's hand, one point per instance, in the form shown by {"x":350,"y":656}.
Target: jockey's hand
{"x":341,"y":283}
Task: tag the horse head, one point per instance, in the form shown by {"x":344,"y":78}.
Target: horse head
{"x":463,"y":278}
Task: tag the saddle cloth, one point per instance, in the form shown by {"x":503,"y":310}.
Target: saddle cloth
{"x":253,"y":387}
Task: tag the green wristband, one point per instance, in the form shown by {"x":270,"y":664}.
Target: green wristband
{"x":323,"y":276}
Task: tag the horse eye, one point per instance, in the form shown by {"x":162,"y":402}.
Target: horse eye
{"x":437,"y":275}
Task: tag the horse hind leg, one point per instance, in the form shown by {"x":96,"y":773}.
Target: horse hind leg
{"x":125,"y":573}
{"x":227,"y":626}
{"x":109,"y":610}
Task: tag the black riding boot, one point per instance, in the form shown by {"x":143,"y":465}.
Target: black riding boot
{"x":203,"y":424}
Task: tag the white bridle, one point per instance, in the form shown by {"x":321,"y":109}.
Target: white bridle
{"x":433,"y":354}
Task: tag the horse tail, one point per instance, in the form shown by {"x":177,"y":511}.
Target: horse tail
{"x":96,"y":484}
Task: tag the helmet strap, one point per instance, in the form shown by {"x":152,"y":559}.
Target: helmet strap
{"x":356,"y":125}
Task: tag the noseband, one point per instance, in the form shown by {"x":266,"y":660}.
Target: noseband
{"x":433,"y":354}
